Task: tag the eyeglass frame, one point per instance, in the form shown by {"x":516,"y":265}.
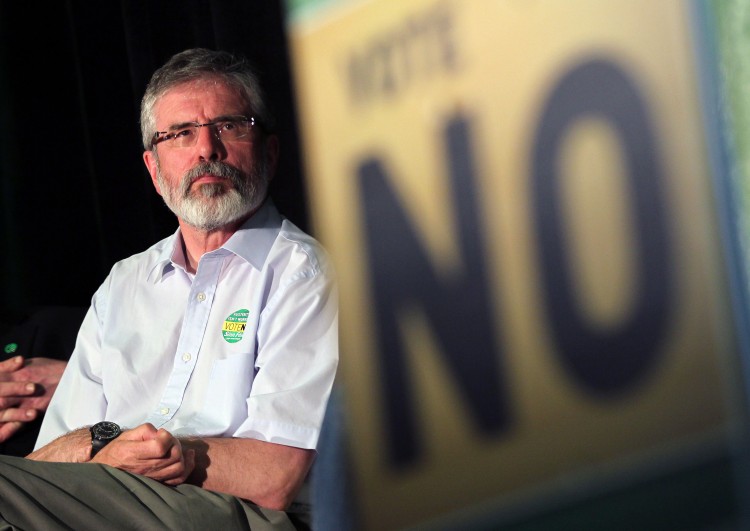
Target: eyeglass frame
{"x":156,"y":139}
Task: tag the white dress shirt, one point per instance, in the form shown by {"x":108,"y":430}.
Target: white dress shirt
{"x":246,"y":347}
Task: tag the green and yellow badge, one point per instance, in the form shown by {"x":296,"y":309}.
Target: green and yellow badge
{"x":234,"y":326}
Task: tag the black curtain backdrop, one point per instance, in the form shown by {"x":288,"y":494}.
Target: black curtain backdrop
{"x":75,"y":194}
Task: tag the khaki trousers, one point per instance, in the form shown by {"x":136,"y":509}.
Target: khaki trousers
{"x":89,"y":496}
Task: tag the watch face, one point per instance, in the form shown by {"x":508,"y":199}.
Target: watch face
{"x":105,"y":430}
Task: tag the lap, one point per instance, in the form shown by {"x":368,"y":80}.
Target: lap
{"x":40,"y":495}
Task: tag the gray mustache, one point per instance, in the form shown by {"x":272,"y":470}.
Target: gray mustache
{"x":215,"y":168}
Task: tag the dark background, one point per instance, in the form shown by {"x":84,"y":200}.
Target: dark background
{"x":76,"y":196}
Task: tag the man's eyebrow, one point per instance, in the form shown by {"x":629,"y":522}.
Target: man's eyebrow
{"x":181,"y":125}
{"x":225,"y":117}
{"x":221,"y":118}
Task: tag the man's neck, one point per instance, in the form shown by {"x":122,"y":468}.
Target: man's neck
{"x":197,"y":242}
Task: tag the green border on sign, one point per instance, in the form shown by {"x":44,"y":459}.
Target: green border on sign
{"x":732,"y":25}
{"x":299,"y":10}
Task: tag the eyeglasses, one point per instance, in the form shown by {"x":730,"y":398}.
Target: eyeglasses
{"x":228,"y":129}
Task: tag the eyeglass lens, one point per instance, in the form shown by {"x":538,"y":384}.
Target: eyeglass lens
{"x":229,"y":130}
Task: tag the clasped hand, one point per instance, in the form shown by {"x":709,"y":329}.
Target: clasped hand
{"x":26,"y":387}
{"x":153,"y":453}
{"x":144,"y":450}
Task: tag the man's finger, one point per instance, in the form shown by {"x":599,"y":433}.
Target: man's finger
{"x":10,"y":401}
{"x":8,"y":430}
{"x":157,"y":449}
{"x":17,"y":389}
{"x":182,"y":469}
{"x":172,"y":474}
{"x":17,"y":415}
{"x":144,"y":432}
{"x":12,"y":364}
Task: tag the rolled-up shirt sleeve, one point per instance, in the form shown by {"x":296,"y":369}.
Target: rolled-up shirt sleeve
{"x":296,"y":362}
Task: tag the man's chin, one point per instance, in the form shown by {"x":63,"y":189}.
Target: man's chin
{"x":214,"y":219}
{"x":210,"y":189}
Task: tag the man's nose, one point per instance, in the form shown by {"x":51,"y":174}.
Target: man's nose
{"x":209,"y":144}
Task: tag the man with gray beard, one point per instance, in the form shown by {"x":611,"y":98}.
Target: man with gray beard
{"x":197,"y":389}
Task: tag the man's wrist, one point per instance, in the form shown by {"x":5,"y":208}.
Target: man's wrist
{"x":79,"y":443}
{"x":82,"y":440}
{"x":102,"y":433}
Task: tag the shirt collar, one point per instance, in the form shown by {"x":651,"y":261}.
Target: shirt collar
{"x":252,"y":242}
{"x":254,"y":239}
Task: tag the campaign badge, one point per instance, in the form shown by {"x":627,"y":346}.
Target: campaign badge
{"x":234,"y":326}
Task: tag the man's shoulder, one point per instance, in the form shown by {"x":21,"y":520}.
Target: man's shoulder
{"x":295,"y":244}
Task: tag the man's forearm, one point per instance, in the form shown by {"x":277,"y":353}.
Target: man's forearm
{"x":265,"y":473}
{"x":73,"y":447}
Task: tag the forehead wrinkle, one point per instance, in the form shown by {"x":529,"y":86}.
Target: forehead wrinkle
{"x":194,"y":93}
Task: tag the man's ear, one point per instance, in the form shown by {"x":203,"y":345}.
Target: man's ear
{"x":149,"y":158}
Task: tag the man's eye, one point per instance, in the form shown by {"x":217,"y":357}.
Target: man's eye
{"x":227,"y":126}
{"x":182,"y":133}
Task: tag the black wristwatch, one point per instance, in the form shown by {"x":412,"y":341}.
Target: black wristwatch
{"x":102,"y":433}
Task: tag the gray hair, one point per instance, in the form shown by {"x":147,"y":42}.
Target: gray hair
{"x":200,"y":63}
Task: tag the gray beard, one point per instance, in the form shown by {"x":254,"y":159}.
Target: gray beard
{"x":211,"y":206}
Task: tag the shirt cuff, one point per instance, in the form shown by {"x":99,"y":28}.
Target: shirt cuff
{"x":279,"y":433}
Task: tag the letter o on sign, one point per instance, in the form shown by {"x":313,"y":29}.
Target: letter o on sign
{"x":604,"y":361}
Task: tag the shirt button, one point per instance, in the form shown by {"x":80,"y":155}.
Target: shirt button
{"x":201,"y":297}
{"x":164,"y":411}
{"x":186,"y":357}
